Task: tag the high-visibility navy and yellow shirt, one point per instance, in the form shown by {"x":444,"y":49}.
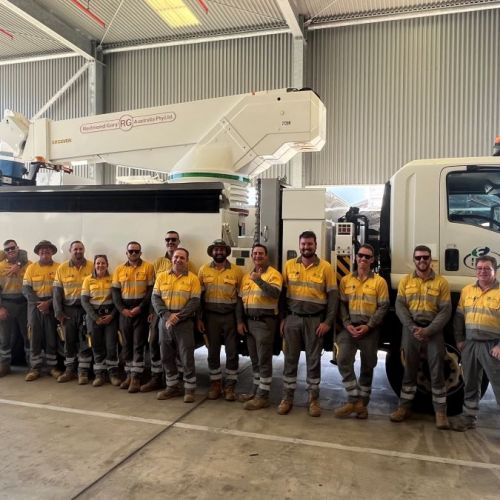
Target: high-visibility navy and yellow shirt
{"x":68,"y":284}
{"x":11,"y":287}
{"x":260,"y":297}
{"x":478,"y":314}
{"x":220,"y":286}
{"x":179,"y":294}
{"x":424,"y":301}
{"x":365,"y":301}
{"x":132,"y":285}
{"x":38,"y":281}
{"x":96,"y":291}
{"x":311,"y":289}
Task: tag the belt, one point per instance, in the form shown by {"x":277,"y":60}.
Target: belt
{"x":105,"y":310}
{"x":261,"y":318}
{"x":219,"y":312}
{"x":358,"y":324}
{"x":300,"y":315}
{"x":422,"y":324}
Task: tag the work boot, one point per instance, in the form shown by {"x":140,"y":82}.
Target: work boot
{"x":83,"y":378}
{"x":442,"y":420}
{"x":285,"y":407}
{"x":401,"y":413}
{"x":99,"y":380}
{"x":115,"y":380}
{"x":4,"y":369}
{"x":247,"y":396}
{"x":125,"y":384}
{"x":189,"y":396}
{"x":170,"y":392}
{"x":314,"y":407}
{"x":463,"y":423}
{"x":55,"y":373}
{"x":215,"y":390}
{"x":345,"y":410}
{"x":229,"y":394}
{"x":67,"y":376}
{"x":135,"y":384}
{"x":256,"y":403}
{"x":33,"y":374}
{"x":153,"y":385}
{"x":361,"y":409}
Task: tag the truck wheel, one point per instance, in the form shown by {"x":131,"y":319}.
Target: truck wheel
{"x":423,"y":399}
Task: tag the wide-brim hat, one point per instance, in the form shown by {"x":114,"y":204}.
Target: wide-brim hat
{"x":45,"y":243}
{"x":219,"y":243}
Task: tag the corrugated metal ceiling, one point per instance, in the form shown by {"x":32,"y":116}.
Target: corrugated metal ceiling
{"x":133,"y":22}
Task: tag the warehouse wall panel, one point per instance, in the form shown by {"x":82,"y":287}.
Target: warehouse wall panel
{"x":25,"y":88}
{"x":403,"y":90}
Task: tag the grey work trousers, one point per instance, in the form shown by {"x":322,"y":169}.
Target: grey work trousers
{"x":154,"y":347}
{"x":347,"y":348}
{"x":301,"y":330}
{"x":260,"y":340}
{"x":178,"y":341}
{"x":43,"y":337}
{"x":221,"y":328}
{"x":76,"y":349}
{"x":476,"y":358}
{"x":17,"y":321}
{"x":435,"y":351}
{"x":134,"y":336}
{"x":104,"y":346}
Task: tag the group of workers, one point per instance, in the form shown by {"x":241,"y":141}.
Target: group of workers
{"x":94,"y":311}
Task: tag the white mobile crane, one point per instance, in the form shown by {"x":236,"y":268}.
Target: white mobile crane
{"x":225,"y":139}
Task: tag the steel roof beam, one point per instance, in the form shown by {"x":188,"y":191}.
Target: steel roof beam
{"x":51,"y":25}
{"x":292,"y":17}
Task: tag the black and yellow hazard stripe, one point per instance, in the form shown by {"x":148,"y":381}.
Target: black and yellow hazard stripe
{"x":343,"y":267}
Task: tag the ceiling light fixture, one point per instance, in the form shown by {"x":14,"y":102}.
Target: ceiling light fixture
{"x":203,"y":5}
{"x":174,"y":12}
{"x":7,"y":33}
{"x":89,"y":13}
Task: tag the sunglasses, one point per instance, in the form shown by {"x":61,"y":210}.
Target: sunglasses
{"x":422,"y":257}
{"x":173,"y":240}
{"x":9,"y":249}
{"x":364,"y":256}
{"x":133,"y":251}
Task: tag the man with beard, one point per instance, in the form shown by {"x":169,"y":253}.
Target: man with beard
{"x":477,"y":333}
{"x":13,"y":308}
{"x":311,"y":293}
{"x":172,"y":241}
{"x":69,"y":312}
{"x":220,"y":281}
{"x":131,"y":291}
{"x":37,"y":288}
{"x":176,"y":298}
{"x":364,"y":301}
{"x":259,"y":296}
{"x":423,"y":306}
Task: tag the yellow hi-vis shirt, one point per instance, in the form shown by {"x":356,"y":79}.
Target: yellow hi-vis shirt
{"x":255,"y":301}
{"x":11,"y":286}
{"x":41,"y":279}
{"x":98,"y":290}
{"x":309,"y":284}
{"x":69,"y":279}
{"x":133,"y":281}
{"x":220,"y":286}
{"x":367,"y":301}
{"x":479,"y":312}
{"x":176,"y":291}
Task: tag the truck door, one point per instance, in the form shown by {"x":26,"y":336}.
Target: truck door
{"x":469,"y":220}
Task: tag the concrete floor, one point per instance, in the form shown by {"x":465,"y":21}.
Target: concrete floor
{"x":66,"y":441}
